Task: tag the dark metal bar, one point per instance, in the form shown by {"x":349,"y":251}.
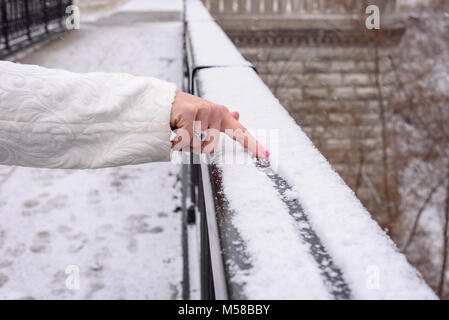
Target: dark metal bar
{"x":207,"y":281}
{"x":27,"y":20}
{"x":61,"y":12}
{"x":208,"y":285}
{"x":5,"y":29}
{"x":45,"y":11}
{"x":184,"y":223}
{"x":232,"y":245}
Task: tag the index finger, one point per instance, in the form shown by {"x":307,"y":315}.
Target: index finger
{"x":238,"y":132}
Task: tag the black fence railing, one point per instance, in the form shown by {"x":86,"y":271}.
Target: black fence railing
{"x":23,"y":22}
{"x":212,"y":283}
{"x":207,"y":212}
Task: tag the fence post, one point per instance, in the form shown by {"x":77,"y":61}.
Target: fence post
{"x":28,"y":20}
{"x":61,"y":12}
{"x":4,"y":14}
{"x":45,"y":9}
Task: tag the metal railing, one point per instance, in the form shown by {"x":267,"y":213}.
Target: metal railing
{"x":209,"y":209}
{"x":23,"y":22}
{"x":216,"y":249}
{"x":202,"y":187}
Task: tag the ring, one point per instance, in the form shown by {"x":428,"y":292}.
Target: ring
{"x":202,"y":136}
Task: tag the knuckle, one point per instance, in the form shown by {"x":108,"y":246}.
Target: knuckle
{"x":207,"y":108}
{"x":223,"y":110}
{"x":191,"y":111}
{"x":203,"y":109}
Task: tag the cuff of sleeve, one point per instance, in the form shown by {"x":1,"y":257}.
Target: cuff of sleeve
{"x":163,"y":94}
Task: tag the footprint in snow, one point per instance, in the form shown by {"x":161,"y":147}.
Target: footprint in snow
{"x":41,"y":242}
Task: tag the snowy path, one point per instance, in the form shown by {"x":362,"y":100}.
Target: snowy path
{"x":120,"y":226}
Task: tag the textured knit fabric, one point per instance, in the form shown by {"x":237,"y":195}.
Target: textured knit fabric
{"x":58,"y":119}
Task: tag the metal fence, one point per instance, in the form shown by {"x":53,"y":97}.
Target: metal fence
{"x":217,"y":251}
{"x":209,"y":212}
{"x":26,"y":21}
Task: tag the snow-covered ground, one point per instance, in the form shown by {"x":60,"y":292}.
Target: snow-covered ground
{"x":120,"y":226}
{"x":153,"y":5}
{"x":126,"y":10}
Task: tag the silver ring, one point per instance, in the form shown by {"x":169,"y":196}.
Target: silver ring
{"x":202,"y":136}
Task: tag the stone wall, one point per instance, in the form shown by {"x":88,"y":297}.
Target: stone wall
{"x":333,"y":93}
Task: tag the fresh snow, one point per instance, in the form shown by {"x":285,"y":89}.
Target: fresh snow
{"x":120,"y":226}
{"x":371,"y":264}
{"x":196,"y":11}
{"x":153,"y":5}
{"x":222,"y":53}
{"x":359,"y":247}
{"x":282,"y":266}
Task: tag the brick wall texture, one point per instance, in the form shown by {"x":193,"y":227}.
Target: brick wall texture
{"x":334,"y":95}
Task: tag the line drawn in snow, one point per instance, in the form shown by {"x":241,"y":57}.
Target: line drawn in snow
{"x":331,"y":274}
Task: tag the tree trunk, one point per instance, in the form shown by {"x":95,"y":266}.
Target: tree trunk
{"x":383,"y":121}
{"x":445,"y":243}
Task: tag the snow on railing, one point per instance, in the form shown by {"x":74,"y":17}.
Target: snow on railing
{"x":289,"y":229}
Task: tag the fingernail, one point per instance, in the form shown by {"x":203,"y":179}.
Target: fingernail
{"x":264,"y":152}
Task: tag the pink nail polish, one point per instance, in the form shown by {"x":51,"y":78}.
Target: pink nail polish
{"x":264,"y":152}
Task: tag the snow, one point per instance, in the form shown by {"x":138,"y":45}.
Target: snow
{"x":93,"y":10}
{"x":95,"y":48}
{"x":122,"y":12}
{"x":411,"y":3}
{"x":152,"y":5}
{"x":282,"y":266}
{"x":196,"y":11}
{"x":221,"y":53}
{"x":117,"y":225}
{"x":120,"y":226}
{"x":353,"y":239}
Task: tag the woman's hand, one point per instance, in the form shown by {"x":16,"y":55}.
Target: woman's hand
{"x":192,"y":116}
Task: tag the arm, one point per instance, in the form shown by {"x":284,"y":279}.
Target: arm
{"x":59,"y":119}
